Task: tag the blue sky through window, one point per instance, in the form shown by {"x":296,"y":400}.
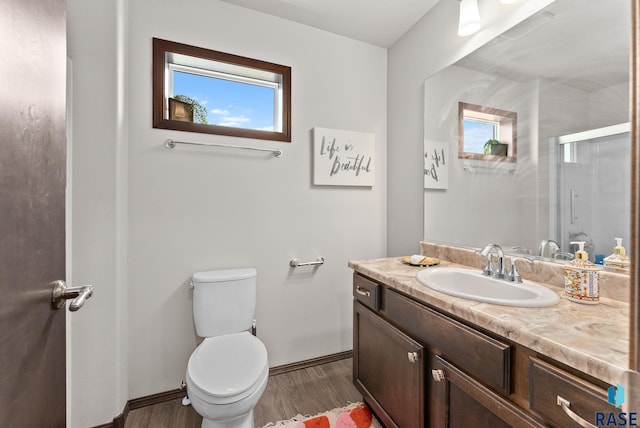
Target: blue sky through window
{"x":476,"y":134}
{"x":229,"y":103}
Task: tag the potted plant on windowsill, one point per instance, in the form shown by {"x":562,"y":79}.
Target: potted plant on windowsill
{"x":495,"y":147}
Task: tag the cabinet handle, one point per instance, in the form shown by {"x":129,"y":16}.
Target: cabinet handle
{"x":413,"y":356}
{"x":438,"y":375}
{"x":565,"y":404}
{"x":362,"y":292}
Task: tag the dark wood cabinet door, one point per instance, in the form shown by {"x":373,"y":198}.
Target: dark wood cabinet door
{"x":459,"y":401}
{"x":388,"y":369}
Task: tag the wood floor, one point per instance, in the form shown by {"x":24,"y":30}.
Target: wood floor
{"x":306,"y":391}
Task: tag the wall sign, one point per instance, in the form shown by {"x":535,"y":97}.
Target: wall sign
{"x":343,"y":158}
{"x":436,"y":165}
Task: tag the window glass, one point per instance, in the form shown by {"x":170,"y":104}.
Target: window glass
{"x":477,"y":133}
{"x":201,"y":90}
{"x":225,"y":102}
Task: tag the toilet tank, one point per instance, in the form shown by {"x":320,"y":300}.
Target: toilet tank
{"x":224,"y":301}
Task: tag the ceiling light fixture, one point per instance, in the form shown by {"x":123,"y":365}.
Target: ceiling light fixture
{"x":469,"y":22}
{"x":508,"y":1}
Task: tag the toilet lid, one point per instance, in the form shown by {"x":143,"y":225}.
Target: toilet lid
{"x":229,"y":365}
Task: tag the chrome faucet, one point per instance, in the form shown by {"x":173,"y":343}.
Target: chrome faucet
{"x":548,"y":248}
{"x":499,"y":271}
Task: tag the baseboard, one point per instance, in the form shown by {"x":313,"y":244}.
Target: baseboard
{"x":161,"y":397}
{"x":149,"y":400}
{"x":118,"y":421}
{"x":309,"y":363}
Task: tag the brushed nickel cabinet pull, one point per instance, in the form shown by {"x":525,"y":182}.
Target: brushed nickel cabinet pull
{"x":362,"y":291}
{"x":438,"y":375}
{"x":413,"y":356}
{"x":565,"y":404}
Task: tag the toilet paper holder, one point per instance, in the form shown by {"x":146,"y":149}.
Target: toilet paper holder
{"x":294,"y":263}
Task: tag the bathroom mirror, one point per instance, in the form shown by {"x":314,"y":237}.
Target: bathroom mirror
{"x":565,"y":73}
{"x":202,"y":90}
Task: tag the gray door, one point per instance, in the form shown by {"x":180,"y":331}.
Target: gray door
{"x":32,"y":211}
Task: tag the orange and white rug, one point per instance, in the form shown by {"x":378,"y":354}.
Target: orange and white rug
{"x":356,"y":415}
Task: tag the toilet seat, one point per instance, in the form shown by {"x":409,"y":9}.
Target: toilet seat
{"x":225,"y":369}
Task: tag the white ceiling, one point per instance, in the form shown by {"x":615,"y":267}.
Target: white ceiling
{"x":379,"y":22}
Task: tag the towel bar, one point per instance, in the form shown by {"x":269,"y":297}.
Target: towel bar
{"x":296,"y":263}
{"x":170,"y":144}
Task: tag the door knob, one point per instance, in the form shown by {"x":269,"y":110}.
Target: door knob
{"x":61,"y":293}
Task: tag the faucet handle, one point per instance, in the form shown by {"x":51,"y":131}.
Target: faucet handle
{"x":488,"y":269}
{"x":514,"y":274}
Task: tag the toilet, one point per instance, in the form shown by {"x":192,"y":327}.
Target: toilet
{"x":228,"y":372}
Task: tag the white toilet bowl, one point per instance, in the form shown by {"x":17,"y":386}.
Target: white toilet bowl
{"x":226,"y":377}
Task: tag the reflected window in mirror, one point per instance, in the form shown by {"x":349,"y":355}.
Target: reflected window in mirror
{"x":486,"y":133}
{"x":201,"y":90}
{"x":569,"y":153}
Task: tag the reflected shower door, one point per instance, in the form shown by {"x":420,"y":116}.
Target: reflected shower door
{"x":593,"y":190}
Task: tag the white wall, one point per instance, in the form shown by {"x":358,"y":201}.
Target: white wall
{"x":97,"y":345}
{"x":194,"y":209}
{"x":429,"y":46}
{"x":609,"y":105}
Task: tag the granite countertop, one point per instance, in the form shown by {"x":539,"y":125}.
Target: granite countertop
{"x":593,"y":339}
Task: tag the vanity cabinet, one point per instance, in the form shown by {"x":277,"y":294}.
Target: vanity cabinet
{"x":417,"y":366}
{"x":390,"y":370}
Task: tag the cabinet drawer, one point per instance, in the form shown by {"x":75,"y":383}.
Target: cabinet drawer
{"x":548,"y":382}
{"x":488,"y":359}
{"x":366,"y":292}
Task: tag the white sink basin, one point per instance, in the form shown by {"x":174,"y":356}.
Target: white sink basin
{"x":472,"y":285}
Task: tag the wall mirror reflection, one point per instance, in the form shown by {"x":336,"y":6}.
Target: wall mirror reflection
{"x":201,"y":90}
{"x":565,"y":73}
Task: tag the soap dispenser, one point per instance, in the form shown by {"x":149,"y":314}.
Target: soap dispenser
{"x":618,"y":261}
{"x":581,"y":278}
